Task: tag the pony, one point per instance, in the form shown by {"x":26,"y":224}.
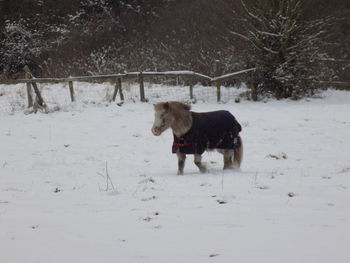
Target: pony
{"x":196,"y":132}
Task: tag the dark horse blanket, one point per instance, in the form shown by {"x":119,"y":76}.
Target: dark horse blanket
{"x":210,"y":130}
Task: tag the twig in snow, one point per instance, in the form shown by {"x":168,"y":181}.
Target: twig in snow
{"x":108,"y":180}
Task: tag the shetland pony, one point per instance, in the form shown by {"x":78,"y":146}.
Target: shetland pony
{"x":196,"y":132}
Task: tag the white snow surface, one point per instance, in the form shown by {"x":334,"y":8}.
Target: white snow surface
{"x":289,"y":202}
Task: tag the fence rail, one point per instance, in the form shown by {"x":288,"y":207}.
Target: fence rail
{"x":125,"y":76}
{"x":230,"y":75}
{"x":31,"y":82}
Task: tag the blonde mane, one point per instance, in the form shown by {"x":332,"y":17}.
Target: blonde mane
{"x":175,"y":106}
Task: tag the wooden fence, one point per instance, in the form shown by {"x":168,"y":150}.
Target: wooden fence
{"x":31,"y":82}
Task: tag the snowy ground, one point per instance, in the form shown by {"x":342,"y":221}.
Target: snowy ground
{"x":289,"y":202}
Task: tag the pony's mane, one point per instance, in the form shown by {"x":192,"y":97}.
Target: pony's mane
{"x":173,"y":106}
{"x":176,"y":106}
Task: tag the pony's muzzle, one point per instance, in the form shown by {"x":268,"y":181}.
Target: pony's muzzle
{"x":155,"y":132}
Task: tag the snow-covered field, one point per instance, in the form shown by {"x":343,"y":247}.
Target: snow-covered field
{"x":90,"y":183}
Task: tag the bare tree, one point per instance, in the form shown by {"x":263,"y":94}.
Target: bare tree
{"x":285,"y":49}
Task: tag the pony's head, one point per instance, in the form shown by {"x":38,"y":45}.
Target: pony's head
{"x":166,"y":114}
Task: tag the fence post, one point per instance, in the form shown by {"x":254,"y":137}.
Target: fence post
{"x":39,"y":98}
{"x":29,"y":91}
{"x":142,"y":88}
{"x":252,"y":87}
{"x":218,"y":84}
{"x":38,"y":95}
{"x":115,"y":91}
{"x":191,"y":91}
{"x":191,"y":82}
{"x":121,"y":95}
{"x":71,"y":91}
{"x":118,"y":87}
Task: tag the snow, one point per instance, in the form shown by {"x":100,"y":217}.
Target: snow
{"x":288,"y":203}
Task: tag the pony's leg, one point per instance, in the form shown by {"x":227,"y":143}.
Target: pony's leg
{"x":228,"y":159}
{"x":198,"y":162}
{"x":238,"y":154}
{"x":181,"y":157}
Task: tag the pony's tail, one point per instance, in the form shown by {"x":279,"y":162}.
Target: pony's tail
{"x":238,"y":153}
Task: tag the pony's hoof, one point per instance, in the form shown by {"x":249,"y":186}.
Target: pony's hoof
{"x":203,"y":170}
{"x":231,"y":168}
{"x":180,"y":173}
